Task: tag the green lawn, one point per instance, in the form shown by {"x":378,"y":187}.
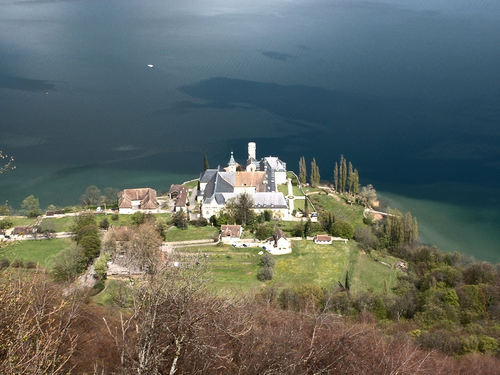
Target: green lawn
{"x":191,"y":184}
{"x":283,"y":189}
{"x":236,"y":268}
{"x":39,"y":251}
{"x":59,"y":224}
{"x":342,"y":211}
{"x":191,"y":233}
{"x":20,"y":220}
{"x":322,"y":265}
{"x":368,"y":273}
{"x":113,"y":289}
{"x":124,"y":220}
{"x":299,"y":204}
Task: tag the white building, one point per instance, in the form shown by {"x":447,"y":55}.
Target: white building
{"x":260,"y":180}
{"x":278,"y":244}
{"x":134,"y":200}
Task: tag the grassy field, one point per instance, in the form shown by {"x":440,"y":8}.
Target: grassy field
{"x":342,"y":211}
{"x":40,"y":251}
{"x":20,"y":220}
{"x":191,"y":184}
{"x":283,"y":189}
{"x":235,"y":269}
{"x":110,"y":291}
{"x":191,"y":233}
{"x":65,"y":224}
{"x":369,"y":274}
{"x":322,"y":265}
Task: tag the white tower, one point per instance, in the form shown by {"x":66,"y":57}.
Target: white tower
{"x":251,"y":150}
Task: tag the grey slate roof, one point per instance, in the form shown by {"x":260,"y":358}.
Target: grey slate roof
{"x":207,"y":175}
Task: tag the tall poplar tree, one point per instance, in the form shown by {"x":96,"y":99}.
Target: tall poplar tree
{"x":350,"y":178}
{"x":356,"y":182}
{"x":315,"y":176}
{"x":343,"y":173}
{"x":205,"y":162}
{"x":336,"y":176}
{"x":302,"y":170}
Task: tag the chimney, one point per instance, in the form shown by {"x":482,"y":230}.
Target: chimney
{"x":251,"y":150}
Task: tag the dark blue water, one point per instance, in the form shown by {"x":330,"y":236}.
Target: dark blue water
{"x":409,"y":91}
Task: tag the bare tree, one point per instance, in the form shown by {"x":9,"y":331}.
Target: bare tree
{"x":6,"y":162}
{"x":35,"y":325}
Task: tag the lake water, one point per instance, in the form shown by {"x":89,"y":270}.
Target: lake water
{"x":409,"y":91}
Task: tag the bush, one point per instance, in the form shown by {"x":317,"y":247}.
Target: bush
{"x":201,"y":222}
{"x":365,"y":237}
{"x":265,"y":273}
{"x":104,"y":224}
{"x":342,"y":229}
{"x":6,"y":224}
{"x":267,"y":260}
{"x":4,"y":263}
{"x":69,"y":263}
{"x":179,"y":220}
{"x":263,"y":231}
{"x":115,"y":217}
{"x":488,"y":344}
{"x":101,"y":267}
{"x":17,"y":263}
{"x":138,"y":218}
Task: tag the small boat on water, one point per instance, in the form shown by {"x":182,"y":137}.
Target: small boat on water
{"x":151,"y":66}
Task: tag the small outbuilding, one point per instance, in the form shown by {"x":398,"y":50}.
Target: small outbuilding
{"x":179,"y":194}
{"x":278,"y":244}
{"x":230,"y":233}
{"x":323,"y":239}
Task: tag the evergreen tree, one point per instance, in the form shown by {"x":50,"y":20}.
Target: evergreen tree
{"x":307,"y":228}
{"x":343,"y":173}
{"x":302,"y":170}
{"x":336,"y":176}
{"x":350,"y":178}
{"x":306,"y":207}
{"x":205,"y":162}
{"x":356,"y":182}
{"x":312,"y":177}
{"x":317,"y":175}
{"x":415,"y":230}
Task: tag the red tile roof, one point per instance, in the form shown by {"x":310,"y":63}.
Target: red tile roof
{"x":147,"y":196}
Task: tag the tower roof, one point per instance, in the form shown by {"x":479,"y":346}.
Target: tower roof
{"x":231,"y":160}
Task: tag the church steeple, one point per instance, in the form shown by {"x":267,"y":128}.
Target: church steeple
{"x":231,"y":160}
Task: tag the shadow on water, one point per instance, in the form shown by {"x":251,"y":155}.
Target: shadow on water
{"x":25,"y":84}
{"x":277,"y":55}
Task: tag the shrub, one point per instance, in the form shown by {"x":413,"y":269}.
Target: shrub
{"x":69,"y":263}
{"x":342,"y":229}
{"x":201,"y":222}
{"x":179,"y":220}
{"x":104,"y":224}
{"x":288,"y":299}
{"x":267,"y":260}
{"x":365,"y":237}
{"x":138,"y":218}
{"x":17,"y":263}
{"x":265,"y":273}
{"x":263,"y":231}
{"x":101,"y":267}
{"x":4,"y":263}
{"x":488,"y":344}
{"x":30,"y":265}
{"x":115,"y":217}
{"x":5,"y":224}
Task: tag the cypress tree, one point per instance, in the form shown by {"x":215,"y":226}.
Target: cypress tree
{"x":336,"y":176}
{"x":415,"y":230}
{"x":302,"y":170}
{"x":205,"y":162}
{"x":312,"y":177}
{"x":306,"y":207}
{"x":350,"y":178}
{"x":356,"y":182}
{"x":343,"y":173}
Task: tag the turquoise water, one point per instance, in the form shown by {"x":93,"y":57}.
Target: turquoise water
{"x":409,"y":91}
